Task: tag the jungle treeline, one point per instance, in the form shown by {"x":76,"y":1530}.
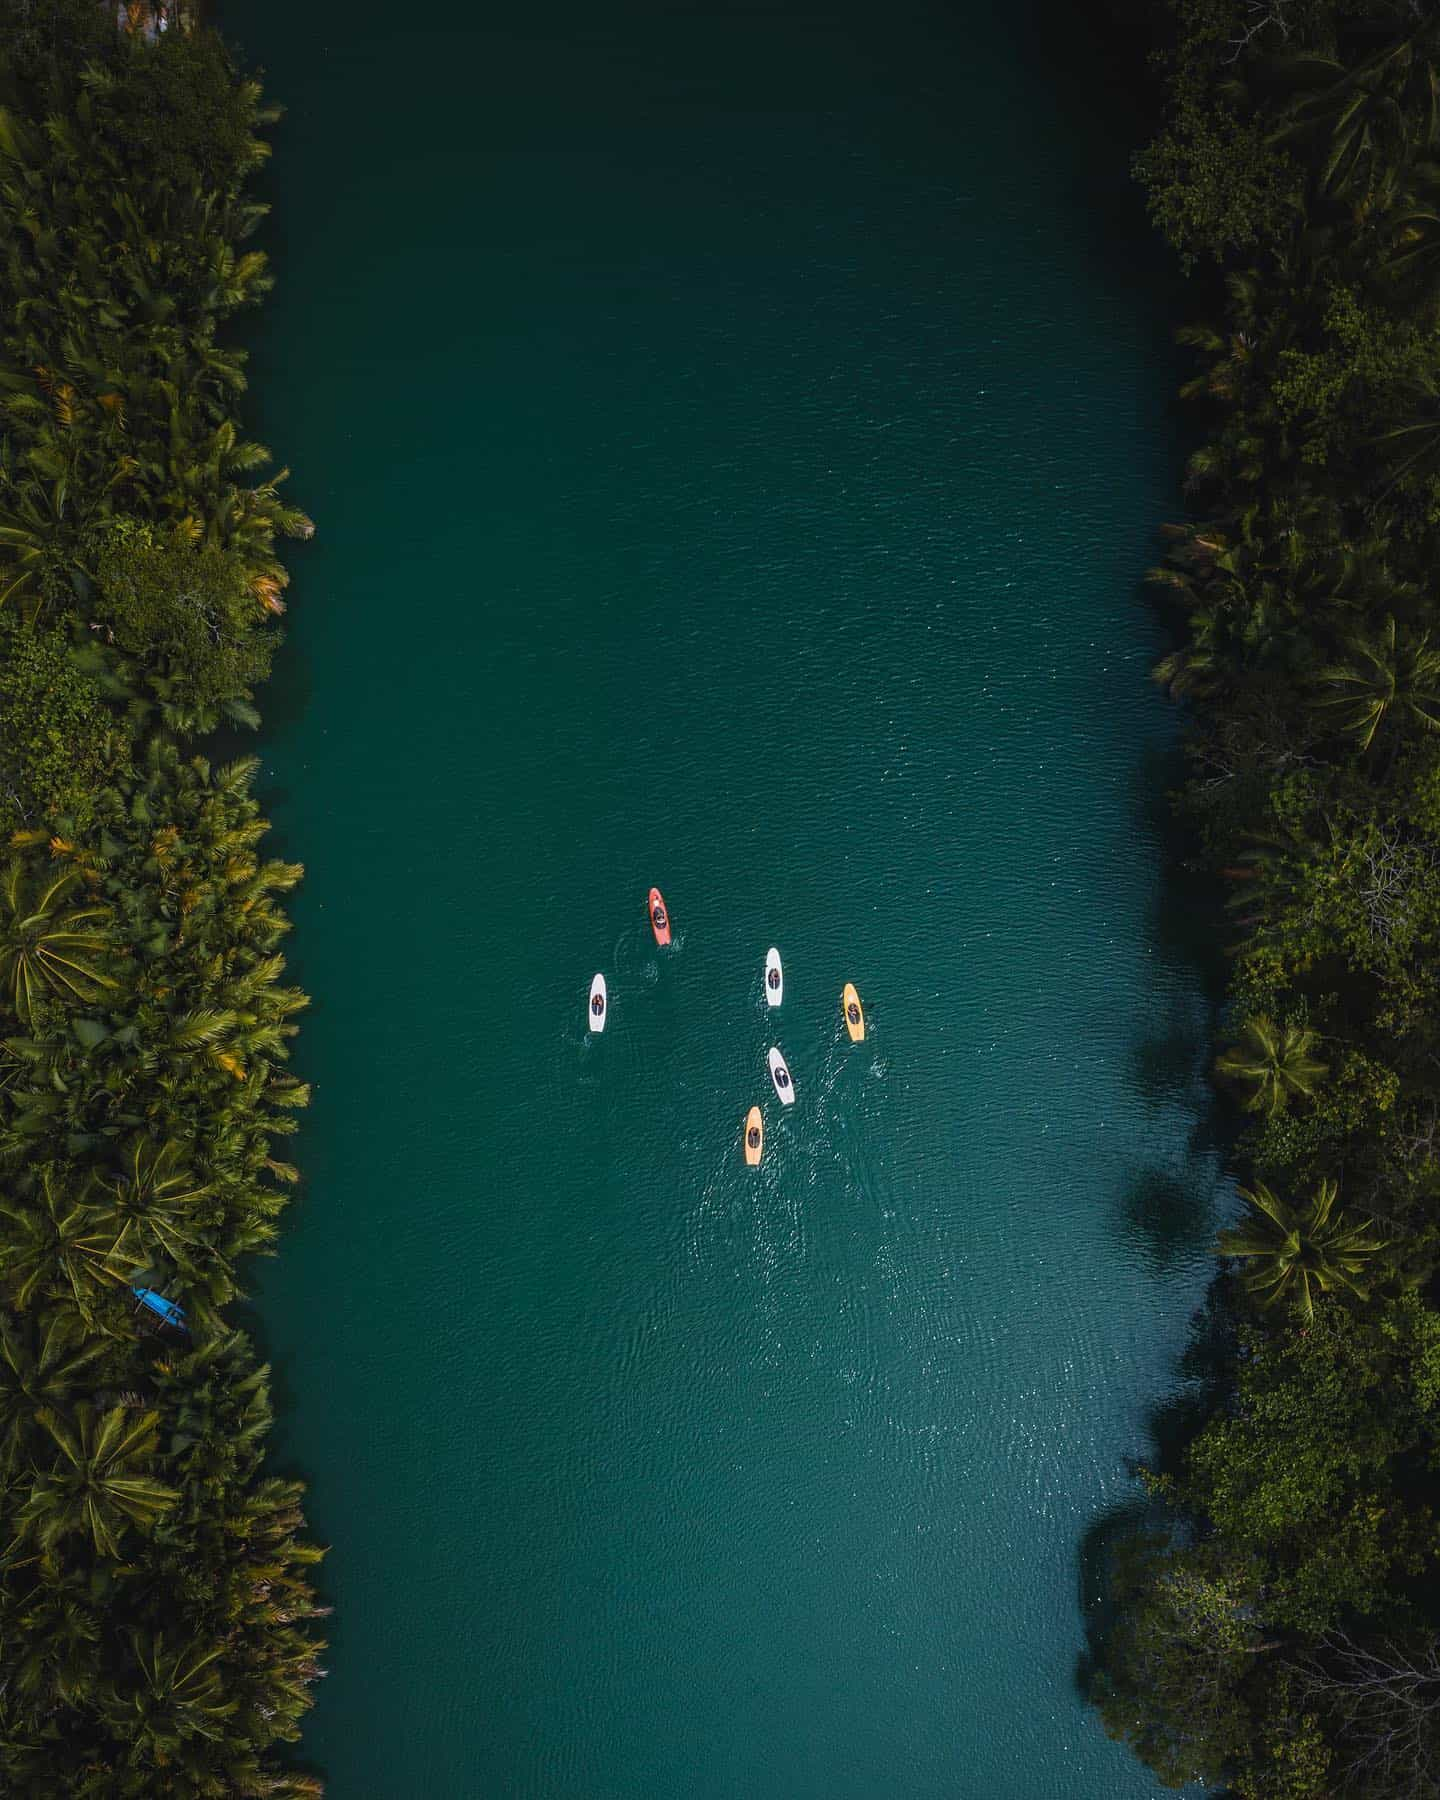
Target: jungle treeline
{"x":1279,"y":1633}
{"x":157,"y":1623}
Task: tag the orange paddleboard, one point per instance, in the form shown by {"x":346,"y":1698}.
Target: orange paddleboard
{"x":754,"y":1137}
{"x":659,"y":917}
{"x":854,"y":1013}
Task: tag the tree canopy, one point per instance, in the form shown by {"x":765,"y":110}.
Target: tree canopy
{"x":1278,"y":1631}
{"x":158,"y":1629}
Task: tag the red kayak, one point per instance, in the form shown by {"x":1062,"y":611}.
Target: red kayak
{"x":659,"y":917}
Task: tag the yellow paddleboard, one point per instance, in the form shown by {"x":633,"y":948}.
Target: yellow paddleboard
{"x":853,"y":1012}
{"x":754,"y":1137}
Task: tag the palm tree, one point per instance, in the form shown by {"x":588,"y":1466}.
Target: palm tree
{"x":1197,"y":667}
{"x":48,"y":950}
{"x":41,"y":1364}
{"x":1247,"y":580}
{"x":33,"y":541}
{"x":1299,"y":1249}
{"x":154,"y":1206}
{"x":58,"y":1630}
{"x":1412,"y":450}
{"x":1365,"y":122}
{"x":67,"y":484}
{"x":217,"y":1399}
{"x":1387,"y":677}
{"x":180,"y":1694}
{"x":1413,"y":235}
{"x":57,"y":1244}
{"x":1275,"y":1060}
{"x":99,"y":1485}
{"x":1251,"y":316}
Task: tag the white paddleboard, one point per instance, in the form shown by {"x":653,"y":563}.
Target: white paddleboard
{"x":598,"y":1011}
{"x":774,"y":977}
{"x":780,"y":1075}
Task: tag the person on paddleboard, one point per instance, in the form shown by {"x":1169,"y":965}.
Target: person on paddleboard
{"x":754,"y":1136}
{"x":774,"y":978}
{"x":659,"y":917}
{"x":597,"y":1005}
{"x":852,"y":1013}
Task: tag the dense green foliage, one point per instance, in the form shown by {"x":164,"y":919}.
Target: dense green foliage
{"x":156,"y":1619}
{"x":1282,"y":1636}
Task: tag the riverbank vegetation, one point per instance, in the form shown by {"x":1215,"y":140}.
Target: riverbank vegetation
{"x":1280,"y":1635}
{"x":157,"y":1629}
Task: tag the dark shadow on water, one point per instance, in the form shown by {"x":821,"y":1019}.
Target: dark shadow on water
{"x":1098,"y":1544}
{"x":288,"y":693}
{"x":1204,"y":1377}
{"x":1106,"y":98}
{"x":1104,"y":95}
{"x":1170,"y":1065}
{"x":1108,"y":102}
{"x":1205,"y":1373}
{"x":1169,"y":1216}
{"x":1185,"y":928}
{"x":1170,"y":1210}
{"x":1214,"y":1135}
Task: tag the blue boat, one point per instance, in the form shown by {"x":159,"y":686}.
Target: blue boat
{"x":165,"y":1310}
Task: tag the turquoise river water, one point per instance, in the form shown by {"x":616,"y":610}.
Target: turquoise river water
{"x":735,"y":433}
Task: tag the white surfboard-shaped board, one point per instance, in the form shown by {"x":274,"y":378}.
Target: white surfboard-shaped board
{"x":774,"y":977}
{"x":780,"y":1075}
{"x":598,"y":1010}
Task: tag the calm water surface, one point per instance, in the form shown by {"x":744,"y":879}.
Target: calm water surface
{"x":735,"y":432}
